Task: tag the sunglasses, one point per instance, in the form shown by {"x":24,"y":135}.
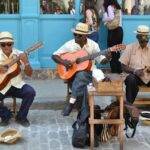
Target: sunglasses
{"x":78,"y":35}
{"x":6,"y":44}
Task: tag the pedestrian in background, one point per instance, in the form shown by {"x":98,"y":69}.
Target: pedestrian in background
{"x":91,"y":17}
{"x":115,"y":36}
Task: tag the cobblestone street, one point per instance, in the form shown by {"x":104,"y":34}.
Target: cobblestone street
{"x":49,"y":130}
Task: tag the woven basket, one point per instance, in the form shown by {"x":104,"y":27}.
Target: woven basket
{"x":116,"y":84}
{"x":10,"y":136}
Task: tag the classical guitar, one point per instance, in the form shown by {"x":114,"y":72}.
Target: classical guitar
{"x":12,"y":66}
{"x":84,"y":59}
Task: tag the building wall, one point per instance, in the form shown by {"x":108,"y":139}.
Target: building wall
{"x":29,"y":26}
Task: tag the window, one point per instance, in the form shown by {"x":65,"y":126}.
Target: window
{"x":9,"y":6}
{"x":98,"y":5}
{"x":136,"y":7}
{"x":57,"y":6}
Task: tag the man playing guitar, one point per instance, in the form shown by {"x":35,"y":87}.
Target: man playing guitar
{"x":16,"y":87}
{"x":82,"y":77}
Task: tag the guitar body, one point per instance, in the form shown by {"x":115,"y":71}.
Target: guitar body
{"x":67,"y":74}
{"x":12,"y":71}
{"x":13,"y":67}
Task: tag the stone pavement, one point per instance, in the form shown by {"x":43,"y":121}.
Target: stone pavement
{"x":49,"y":130}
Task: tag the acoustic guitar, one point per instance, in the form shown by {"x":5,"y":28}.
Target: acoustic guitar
{"x":84,"y":59}
{"x":13,"y":67}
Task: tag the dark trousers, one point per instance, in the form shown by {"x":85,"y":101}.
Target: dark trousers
{"x":26,"y":93}
{"x":115,"y":37}
{"x":132,"y":82}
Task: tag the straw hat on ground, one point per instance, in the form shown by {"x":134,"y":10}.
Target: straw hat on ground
{"x":10,"y":136}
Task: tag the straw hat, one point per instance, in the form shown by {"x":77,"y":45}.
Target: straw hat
{"x":145,"y":117}
{"x":142,"y":29}
{"x":6,"y":37}
{"x":81,"y":28}
{"x":10,"y":136}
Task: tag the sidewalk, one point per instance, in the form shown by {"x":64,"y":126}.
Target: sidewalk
{"x":49,"y":130}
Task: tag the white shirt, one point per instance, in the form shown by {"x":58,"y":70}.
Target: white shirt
{"x":91,"y":47}
{"x":16,"y":81}
{"x":109,"y":15}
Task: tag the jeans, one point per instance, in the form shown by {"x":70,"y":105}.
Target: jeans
{"x":80,"y":80}
{"x":26,"y":93}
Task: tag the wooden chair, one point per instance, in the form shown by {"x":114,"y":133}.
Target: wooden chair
{"x":14,"y":105}
{"x":143,"y":101}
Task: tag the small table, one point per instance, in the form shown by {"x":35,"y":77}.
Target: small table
{"x":120,"y":95}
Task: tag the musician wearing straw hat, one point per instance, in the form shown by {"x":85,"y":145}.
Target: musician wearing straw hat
{"x":15,"y":87}
{"x":82,"y":77}
{"x":135,"y":61}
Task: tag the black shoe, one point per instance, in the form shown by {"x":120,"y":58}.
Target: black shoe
{"x":67,"y":110}
{"x":23,"y":122}
{"x":4,"y":122}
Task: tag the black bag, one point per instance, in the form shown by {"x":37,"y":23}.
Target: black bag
{"x":80,"y":137}
{"x":131,"y":116}
{"x":80,"y":130}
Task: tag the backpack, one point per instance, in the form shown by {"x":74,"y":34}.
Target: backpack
{"x":80,"y":137}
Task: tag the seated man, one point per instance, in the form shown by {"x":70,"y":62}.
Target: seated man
{"x":15,"y":87}
{"x":136,"y":61}
{"x":81,"y":78}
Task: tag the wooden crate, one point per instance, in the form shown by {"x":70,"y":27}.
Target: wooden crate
{"x":116,"y":84}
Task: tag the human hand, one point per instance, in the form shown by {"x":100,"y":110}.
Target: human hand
{"x":23,"y":57}
{"x":147,"y":69}
{"x":67,"y":63}
{"x":138,"y":72}
{"x":78,"y":60}
{"x":106,"y":79}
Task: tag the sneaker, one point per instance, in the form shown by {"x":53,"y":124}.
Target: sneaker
{"x":4,"y":122}
{"x":23,"y":122}
{"x":67,"y":110}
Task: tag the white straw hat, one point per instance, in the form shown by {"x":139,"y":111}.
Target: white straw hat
{"x":142,"y":29}
{"x":6,"y":37}
{"x":81,"y":28}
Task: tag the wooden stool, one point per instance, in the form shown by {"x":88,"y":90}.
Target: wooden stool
{"x":113,"y":88}
{"x":14,"y":106}
{"x":143,"y":101}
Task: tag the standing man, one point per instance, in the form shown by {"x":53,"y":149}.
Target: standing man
{"x":81,"y":78}
{"x":135,"y":60}
{"x":16,"y":87}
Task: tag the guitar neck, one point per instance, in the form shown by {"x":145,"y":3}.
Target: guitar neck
{"x":92,"y":56}
{"x":27,"y":51}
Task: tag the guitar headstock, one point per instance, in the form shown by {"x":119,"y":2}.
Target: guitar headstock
{"x":34,"y":47}
{"x":117,"y":47}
